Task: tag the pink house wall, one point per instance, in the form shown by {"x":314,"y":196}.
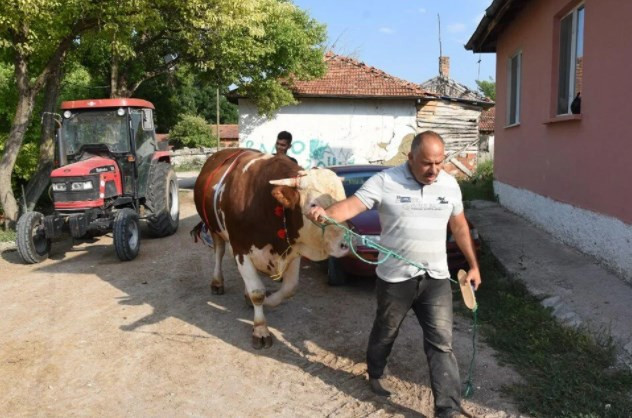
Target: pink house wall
{"x":586,"y":162}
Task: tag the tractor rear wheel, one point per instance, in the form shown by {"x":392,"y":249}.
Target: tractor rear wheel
{"x":162,"y":199}
{"x":33,"y":246}
{"x":126,"y":234}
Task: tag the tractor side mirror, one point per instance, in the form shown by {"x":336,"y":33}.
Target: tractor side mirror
{"x":148,"y":120}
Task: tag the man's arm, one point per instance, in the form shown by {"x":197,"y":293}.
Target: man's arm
{"x":461,"y":233}
{"x":339,"y":211}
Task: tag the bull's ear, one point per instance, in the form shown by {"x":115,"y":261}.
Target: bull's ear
{"x":286,"y":196}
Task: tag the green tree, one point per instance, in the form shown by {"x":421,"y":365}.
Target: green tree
{"x":192,"y":131}
{"x":35,"y":36}
{"x":487,"y":88}
{"x":182,"y":92}
{"x":253,"y":44}
{"x":76,"y":80}
{"x":258,"y":45}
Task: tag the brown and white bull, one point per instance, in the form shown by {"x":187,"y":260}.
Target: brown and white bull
{"x":256,"y":202}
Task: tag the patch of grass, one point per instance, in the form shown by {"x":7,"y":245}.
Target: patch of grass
{"x":188,"y":167}
{"x":7,"y":235}
{"x":567,"y":372}
{"x":481,"y":185}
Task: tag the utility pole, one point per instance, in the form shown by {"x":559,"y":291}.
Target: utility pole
{"x":217,"y":120}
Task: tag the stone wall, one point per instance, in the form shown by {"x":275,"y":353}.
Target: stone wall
{"x":191,"y":157}
{"x":196,"y":157}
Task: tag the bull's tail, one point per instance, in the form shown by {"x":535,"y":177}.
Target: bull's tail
{"x":201,"y":232}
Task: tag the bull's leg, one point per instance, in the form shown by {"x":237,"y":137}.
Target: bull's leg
{"x":288,"y":287}
{"x":217,"y":284}
{"x":256,"y":291}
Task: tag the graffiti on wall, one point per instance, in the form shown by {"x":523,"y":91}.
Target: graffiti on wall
{"x":322,"y":154}
{"x":316,"y":153}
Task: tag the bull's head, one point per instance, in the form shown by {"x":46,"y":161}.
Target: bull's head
{"x":314,"y":187}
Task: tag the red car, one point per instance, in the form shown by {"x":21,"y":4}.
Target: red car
{"x":367,"y":224}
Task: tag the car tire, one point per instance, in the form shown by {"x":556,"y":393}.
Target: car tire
{"x":162,"y":199}
{"x":33,"y":246}
{"x":126,"y":234}
{"x":335,"y":274}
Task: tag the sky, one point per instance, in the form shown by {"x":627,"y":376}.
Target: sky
{"x":401,"y":37}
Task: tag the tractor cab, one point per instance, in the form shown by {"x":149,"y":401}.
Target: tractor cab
{"x":111,"y":173}
{"x":118,"y":129}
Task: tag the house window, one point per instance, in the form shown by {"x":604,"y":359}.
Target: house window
{"x":571,"y":60}
{"x":513,"y":78}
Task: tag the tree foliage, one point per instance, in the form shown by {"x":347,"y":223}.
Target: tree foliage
{"x":487,"y":88}
{"x":35,"y":36}
{"x":181,"y":92}
{"x":259,"y":46}
{"x":192,"y":131}
{"x":8,"y":97}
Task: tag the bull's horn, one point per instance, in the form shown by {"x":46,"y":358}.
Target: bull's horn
{"x":292,"y":182}
{"x":299,"y":181}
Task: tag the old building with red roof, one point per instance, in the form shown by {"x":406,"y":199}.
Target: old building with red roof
{"x":356,"y":114}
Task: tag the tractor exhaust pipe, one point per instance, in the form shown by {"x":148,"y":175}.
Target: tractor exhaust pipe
{"x":60,"y":149}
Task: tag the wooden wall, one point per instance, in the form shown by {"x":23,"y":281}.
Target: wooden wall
{"x":456,"y":122}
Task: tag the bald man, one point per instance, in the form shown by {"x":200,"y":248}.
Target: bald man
{"x":416,"y":201}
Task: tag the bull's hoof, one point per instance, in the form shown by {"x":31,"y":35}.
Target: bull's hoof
{"x":217,"y":290}
{"x":261,"y":342}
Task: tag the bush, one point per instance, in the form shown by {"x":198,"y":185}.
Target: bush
{"x":481,"y":185}
{"x":192,"y":131}
{"x":484,"y":171}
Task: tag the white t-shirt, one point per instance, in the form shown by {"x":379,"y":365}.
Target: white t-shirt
{"x":414,"y":220}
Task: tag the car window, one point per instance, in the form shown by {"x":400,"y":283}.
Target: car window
{"x":353,"y":181}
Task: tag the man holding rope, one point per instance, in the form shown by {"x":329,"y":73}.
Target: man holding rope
{"x":415,"y":202}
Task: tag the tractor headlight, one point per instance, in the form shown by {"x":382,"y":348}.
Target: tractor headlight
{"x":81,"y":185}
{"x":59,"y":187}
{"x":67,"y":114}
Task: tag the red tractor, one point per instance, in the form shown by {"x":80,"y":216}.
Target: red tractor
{"x":111,"y":173}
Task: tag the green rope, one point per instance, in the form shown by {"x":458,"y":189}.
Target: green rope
{"x":367,"y":242}
{"x":469,"y":385}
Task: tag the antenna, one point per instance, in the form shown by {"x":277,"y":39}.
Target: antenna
{"x":439,"y":19}
{"x":478,"y":77}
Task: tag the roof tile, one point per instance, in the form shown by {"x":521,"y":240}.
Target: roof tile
{"x":487,"y":121}
{"x":347,"y":77}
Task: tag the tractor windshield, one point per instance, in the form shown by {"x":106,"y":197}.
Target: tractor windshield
{"x":96,"y":127}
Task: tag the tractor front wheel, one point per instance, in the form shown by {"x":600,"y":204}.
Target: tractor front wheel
{"x":126,"y":234}
{"x":162,"y":198}
{"x":33,"y":246}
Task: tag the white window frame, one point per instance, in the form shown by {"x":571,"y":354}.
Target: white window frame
{"x":518,"y":55}
{"x":572,"y":63}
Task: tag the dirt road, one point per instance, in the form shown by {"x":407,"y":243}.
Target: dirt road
{"x":83,"y":334}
